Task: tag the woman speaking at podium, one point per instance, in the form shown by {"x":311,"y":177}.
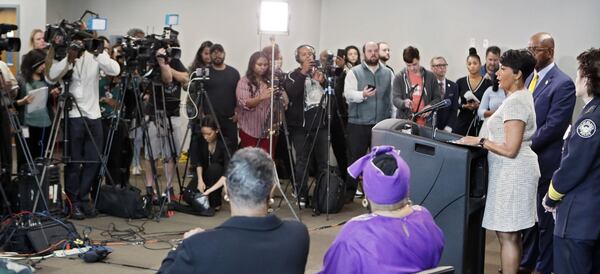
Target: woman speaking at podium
{"x":513,"y":166}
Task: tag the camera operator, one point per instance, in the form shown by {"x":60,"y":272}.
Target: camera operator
{"x":304,"y":89}
{"x":111,"y":101}
{"x":136,"y":131}
{"x":84,"y":90}
{"x":10,"y":87}
{"x":173,"y":75}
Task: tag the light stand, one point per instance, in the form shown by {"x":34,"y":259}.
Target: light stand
{"x":274,"y":20}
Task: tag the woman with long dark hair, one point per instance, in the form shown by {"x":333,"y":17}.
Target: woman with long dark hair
{"x":473,"y":86}
{"x":37,"y":121}
{"x":202,"y":58}
{"x":211,"y":162}
{"x":254,"y":103}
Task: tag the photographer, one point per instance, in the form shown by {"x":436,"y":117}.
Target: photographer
{"x":163,"y":98}
{"x":84,"y":91}
{"x":304,"y":89}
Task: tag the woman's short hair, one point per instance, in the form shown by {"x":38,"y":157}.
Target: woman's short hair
{"x":589,"y":67}
{"x":518,"y":60}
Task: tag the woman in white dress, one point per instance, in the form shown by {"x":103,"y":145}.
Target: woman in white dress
{"x":513,"y":166}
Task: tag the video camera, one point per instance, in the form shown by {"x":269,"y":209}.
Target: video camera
{"x":141,"y":52}
{"x":61,"y":37}
{"x":9,"y":43}
{"x":328,"y":67}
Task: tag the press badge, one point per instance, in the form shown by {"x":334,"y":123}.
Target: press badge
{"x":25,"y":132}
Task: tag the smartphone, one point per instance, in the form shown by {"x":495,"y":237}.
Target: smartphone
{"x":341,"y":53}
{"x":371,"y":86}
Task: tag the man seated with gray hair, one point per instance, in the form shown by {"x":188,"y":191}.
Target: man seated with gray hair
{"x":251,"y":241}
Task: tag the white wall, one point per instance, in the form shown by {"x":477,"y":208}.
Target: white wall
{"x":441,"y":27}
{"x":31,"y":14}
{"x":232,"y":23}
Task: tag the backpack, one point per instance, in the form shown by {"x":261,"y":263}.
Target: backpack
{"x":335,"y":200}
{"x":122,"y":201}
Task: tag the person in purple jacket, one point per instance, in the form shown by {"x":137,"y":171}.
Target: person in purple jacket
{"x":397,"y":237}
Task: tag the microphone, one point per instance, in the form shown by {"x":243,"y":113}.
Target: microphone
{"x":442,"y":104}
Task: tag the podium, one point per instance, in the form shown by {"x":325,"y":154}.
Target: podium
{"x":449,"y":180}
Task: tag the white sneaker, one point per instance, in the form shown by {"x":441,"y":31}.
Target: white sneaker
{"x":136,"y":170}
{"x":358,"y":193}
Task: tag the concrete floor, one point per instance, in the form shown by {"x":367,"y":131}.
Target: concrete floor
{"x":137,"y":258}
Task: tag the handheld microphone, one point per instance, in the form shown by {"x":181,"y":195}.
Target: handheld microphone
{"x":442,"y":104}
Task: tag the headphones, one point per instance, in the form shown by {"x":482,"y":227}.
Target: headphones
{"x":297,"y":54}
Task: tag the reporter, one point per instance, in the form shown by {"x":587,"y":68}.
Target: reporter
{"x":37,"y":122}
{"x":466,"y":122}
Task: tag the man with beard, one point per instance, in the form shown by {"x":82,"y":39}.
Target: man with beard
{"x":221,"y":92}
{"x":415,"y":88}
{"x":384,"y":54}
{"x":367,"y":89}
{"x":492,"y":62}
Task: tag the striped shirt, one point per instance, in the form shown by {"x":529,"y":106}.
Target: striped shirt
{"x":253,"y":121}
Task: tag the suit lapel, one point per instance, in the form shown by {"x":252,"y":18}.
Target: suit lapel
{"x":545,"y":82}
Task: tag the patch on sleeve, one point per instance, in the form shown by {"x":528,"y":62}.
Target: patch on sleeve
{"x":586,"y":128}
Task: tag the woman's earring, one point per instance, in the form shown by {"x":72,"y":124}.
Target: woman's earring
{"x":365,"y":202}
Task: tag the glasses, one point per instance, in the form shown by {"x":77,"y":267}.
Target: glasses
{"x":440,"y":65}
{"x":536,"y":49}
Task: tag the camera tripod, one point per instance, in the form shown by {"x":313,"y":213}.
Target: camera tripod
{"x":15,"y":125}
{"x":66,"y":102}
{"x":271,"y":128}
{"x":325,"y":109}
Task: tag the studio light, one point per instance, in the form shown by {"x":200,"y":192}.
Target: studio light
{"x":274,"y":17}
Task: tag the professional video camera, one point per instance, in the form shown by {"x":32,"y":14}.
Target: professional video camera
{"x":328,"y":68}
{"x":140,"y":53}
{"x":61,"y":36}
{"x":8,"y":43}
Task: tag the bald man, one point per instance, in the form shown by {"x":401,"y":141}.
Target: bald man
{"x":368,"y":91}
{"x":554,"y":99}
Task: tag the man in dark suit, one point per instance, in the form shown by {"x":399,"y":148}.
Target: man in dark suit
{"x":251,"y":241}
{"x":448,"y":90}
{"x":554,"y":99}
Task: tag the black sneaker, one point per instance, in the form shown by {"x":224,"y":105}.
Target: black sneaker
{"x":89,"y":211}
{"x":77,"y":214}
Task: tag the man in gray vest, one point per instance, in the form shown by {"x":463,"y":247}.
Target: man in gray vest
{"x":367,"y":90}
